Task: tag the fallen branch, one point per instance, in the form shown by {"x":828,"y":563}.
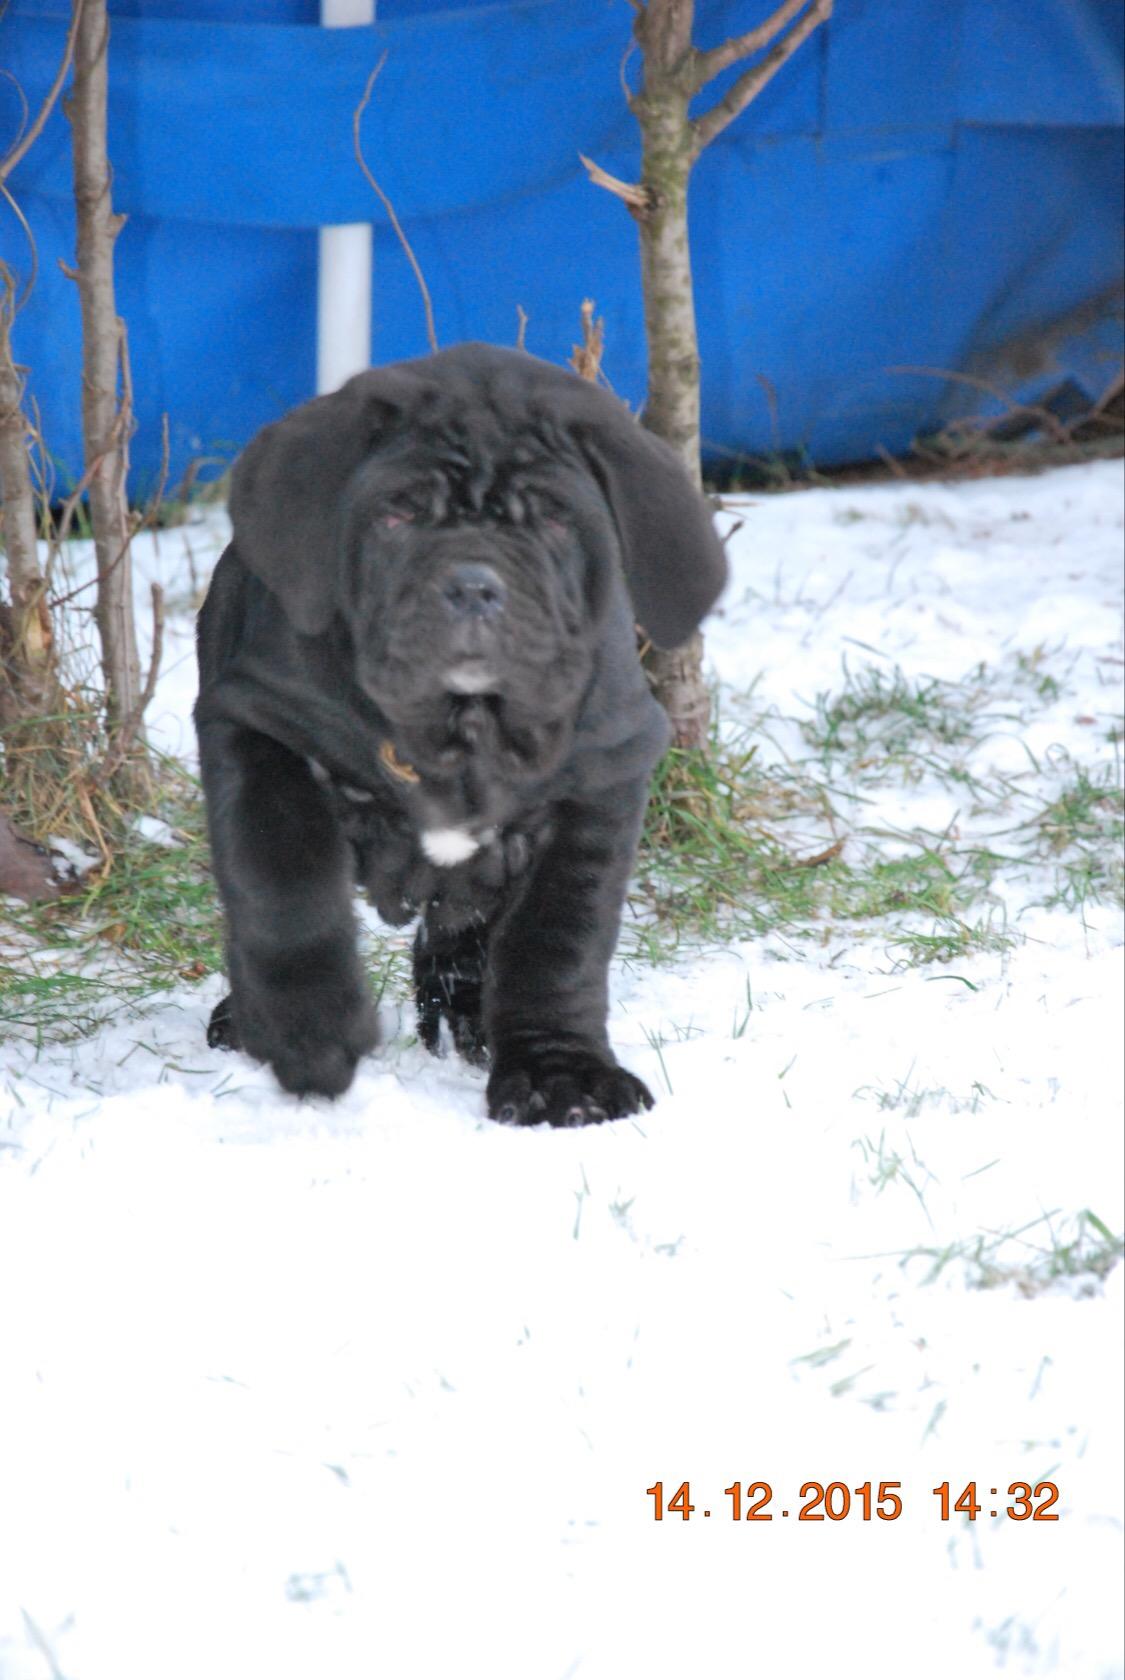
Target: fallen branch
{"x":826,"y":856}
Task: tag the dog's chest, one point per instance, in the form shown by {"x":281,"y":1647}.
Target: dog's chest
{"x":448,"y":853}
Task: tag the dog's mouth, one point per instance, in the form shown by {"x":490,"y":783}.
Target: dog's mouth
{"x":455,"y":732}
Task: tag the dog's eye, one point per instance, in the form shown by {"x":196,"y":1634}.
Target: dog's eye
{"x":396,"y":517}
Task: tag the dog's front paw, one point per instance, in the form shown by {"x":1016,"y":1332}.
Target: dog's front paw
{"x":318,"y":1062}
{"x":572,"y":1090}
{"x":311,"y":1055}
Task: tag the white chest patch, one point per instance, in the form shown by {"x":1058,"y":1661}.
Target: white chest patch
{"x":447,"y":846}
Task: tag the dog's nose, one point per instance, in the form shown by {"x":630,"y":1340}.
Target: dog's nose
{"x":473,"y":591}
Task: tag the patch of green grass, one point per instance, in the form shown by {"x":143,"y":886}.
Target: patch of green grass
{"x":886,"y":1166}
{"x":886,"y":715}
{"x":732,"y":849}
{"x":1083,"y":1250}
{"x":923,"y":882}
{"x":1044,"y":684}
{"x":909,"y":1100}
{"x":883,"y":725}
{"x":1089,"y":810}
{"x":948,"y":944}
{"x":1082,"y":831}
{"x":53,"y":1007}
{"x":711,"y":860}
{"x":147,"y":923}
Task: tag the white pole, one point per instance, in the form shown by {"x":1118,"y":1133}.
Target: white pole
{"x":343,"y":304}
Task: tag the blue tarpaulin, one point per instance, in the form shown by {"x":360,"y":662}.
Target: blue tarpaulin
{"x":933,"y":186}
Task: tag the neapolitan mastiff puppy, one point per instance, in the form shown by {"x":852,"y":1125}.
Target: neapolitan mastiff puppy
{"x":418,"y":671}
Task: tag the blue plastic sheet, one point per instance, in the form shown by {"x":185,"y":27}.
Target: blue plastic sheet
{"x":936,"y":185}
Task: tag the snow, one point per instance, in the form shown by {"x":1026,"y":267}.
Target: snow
{"x":378,"y":1387}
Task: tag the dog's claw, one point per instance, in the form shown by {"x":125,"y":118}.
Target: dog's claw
{"x":591,"y":1093}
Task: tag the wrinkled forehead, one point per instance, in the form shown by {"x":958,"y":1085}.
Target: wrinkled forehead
{"x":463,"y":484}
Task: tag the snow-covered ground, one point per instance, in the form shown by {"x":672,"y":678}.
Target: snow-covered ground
{"x":296,"y":1390}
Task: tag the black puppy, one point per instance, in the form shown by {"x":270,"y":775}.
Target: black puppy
{"x":418,"y":670}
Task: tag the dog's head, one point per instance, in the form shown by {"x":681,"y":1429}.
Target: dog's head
{"x":468,"y":516}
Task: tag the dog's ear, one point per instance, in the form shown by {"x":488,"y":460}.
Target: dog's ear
{"x":288,"y":489}
{"x":674,"y":562}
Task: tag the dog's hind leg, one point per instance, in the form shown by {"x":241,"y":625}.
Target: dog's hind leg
{"x":448,"y":981}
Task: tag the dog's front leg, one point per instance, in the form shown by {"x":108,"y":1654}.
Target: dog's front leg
{"x":298,"y":998}
{"x":546,"y":987}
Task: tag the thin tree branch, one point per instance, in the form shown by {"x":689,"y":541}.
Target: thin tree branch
{"x":1050,"y":422}
{"x":70,"y":506}
{"x":31,"y":135}
{"x":29,"y":287}
{"x":123,"y":740}
{"x":630,"y":49}
{"x":750,"y":84}
{"x":631,"y":193}
{"x":25,"y":109}
{"x":709,"y":63}
{"x":586,"y":358}
{"x":427,"y":304}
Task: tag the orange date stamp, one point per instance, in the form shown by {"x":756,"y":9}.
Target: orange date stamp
{"x":878,"y":1501}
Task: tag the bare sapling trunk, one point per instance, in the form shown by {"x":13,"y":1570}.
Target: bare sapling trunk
{"x":31,"y":701}
{"x":672,"y":404}
{"x":29,"y":679}
{"x":106,"y":406}
{"x":674,"y":73}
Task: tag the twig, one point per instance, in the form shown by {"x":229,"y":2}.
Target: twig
{"x":153,"y":508}
{"x":586,"y":358}
{"x":888,"y":460}
{"x":814,"y":862}
{"x":631,"y":193}
{"x":521,"y":332}
{"x":1049,"y":421}
{"x":427,"y":305}
{"x":31,"y":245}
{"x":125,"y":735}
{"x":69,"y":507}
{"x":630,"y":49}
{"x":750,"y":84}
{"x":87,"y":804}
{"x":31,"y":135}
{"x":1112,"y":391}
{"x":708,"y":64}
